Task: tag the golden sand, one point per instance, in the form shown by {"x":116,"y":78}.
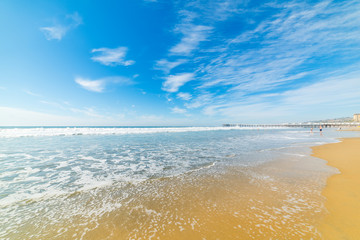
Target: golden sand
{"x":277,"y":200}
{"x":342,"y":190}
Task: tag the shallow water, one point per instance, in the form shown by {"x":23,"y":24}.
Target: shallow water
{"x":138,"y":183}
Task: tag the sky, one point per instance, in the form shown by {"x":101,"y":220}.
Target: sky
{"x":177,"y":63}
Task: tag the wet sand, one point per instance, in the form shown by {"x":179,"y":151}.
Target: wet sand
{"x":349,"y":129}
{"x":342,"y":190}
{"x":277,"y":200}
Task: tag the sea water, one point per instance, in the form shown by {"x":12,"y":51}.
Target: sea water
{"x":54,"y":175}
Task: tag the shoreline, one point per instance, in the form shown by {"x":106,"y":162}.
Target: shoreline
{"x":342,"y":190}
{"x":278,"y":197}
{"x":349,"y":129}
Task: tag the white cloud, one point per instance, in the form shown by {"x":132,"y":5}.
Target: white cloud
{"x":66,"y":107}
{"x":178,"y":110}
{"x":54,"y":32}
{"x":300,"y":44}
{"x":166,"y":66}
{"x":91,"y":85}
{"x":99,"y":85}
{"x":201,"y":100}
{"x":168,"y":98}
{"x":208,"y":13}
{"x":192,"y":36}
{"x":54,"y":104}
{"x":328,"y":98}
{"x":282,"y":43}
{"x":112,"y":56}
{"x":86,"y":111}
{"x":184,"y":96}
{"x":174,"y":82}
{"x":119,"y":80}
{"x":58,"y":31}
{"x":341,"y":90}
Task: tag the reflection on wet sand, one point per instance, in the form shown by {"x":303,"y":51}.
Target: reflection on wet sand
{"x":280,"y":199}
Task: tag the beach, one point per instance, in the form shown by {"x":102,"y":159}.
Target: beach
{"x":180,"y":120}
{"x":163,"y":183}
{"x":342,"y":190}
{"x":349,"y":129}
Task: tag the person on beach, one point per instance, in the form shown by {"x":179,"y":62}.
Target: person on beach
{"x":320,"y":128}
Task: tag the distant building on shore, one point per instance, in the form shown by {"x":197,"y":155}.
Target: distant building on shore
{"x":357,"y":117}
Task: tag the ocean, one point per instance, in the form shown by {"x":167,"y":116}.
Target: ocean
{"x":161,"y":182}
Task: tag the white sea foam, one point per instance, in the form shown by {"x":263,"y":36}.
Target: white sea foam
{"x":69,"y":131}
{"x":39,"y":173}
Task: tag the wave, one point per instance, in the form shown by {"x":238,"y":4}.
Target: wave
{"x":70,"y":131}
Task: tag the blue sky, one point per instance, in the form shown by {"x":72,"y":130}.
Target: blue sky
{"x":178,"y":62}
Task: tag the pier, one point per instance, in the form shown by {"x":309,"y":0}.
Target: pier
{"x":298,"y":125}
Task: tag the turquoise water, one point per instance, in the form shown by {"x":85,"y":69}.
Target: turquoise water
{"x":41,"y":167}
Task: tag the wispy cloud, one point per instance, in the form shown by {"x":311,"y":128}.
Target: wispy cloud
{"x":166,"y":66}
{"x":99,"y":85}
{"x":343,"y":89}
{"x":280,"y":49}
{"x":201,"y":100}
{"x":184,"y":96}
{"x":54,"y":104}
{"x":67,"y":107}
{"x":88,"y":111}
{"x":282,"y":44}
{"x":329,"y":96}
{"x":111,"y":56}
{"x":59,"y":30}
{"x":178,"y":110}
{"x":198,"y":20}
{"x":195,"y":27}
{"x":91,"y":85}
{"x":192,"y":36}
{"x":32,"y":93}
{"x":54,"y":32}
{"x":174,"y":82}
